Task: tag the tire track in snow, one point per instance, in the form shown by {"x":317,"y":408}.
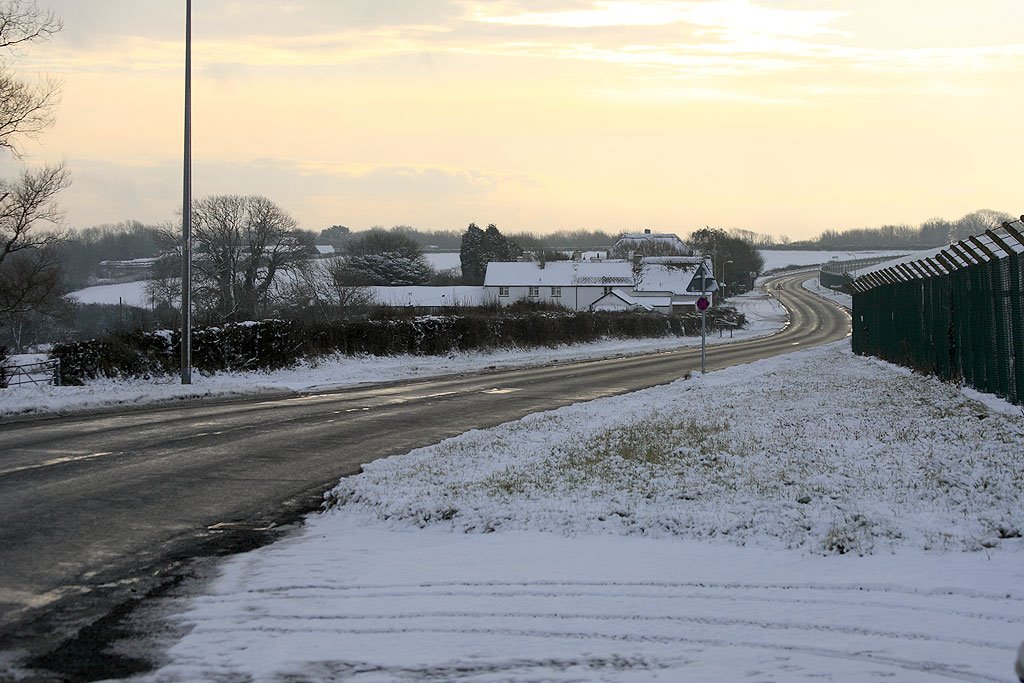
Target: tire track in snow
{"x":343,"y":611}
{"x":598,"y":617}
{"x":930,"y":668}
{"x":830,"y":588}
{"x":517,"y":594}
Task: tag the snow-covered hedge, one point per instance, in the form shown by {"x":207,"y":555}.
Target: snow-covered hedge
{"x":4,"y":361}
{"x":274,"y":344}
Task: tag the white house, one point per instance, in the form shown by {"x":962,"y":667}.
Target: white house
{"x":660,"y":283}
{"x":573,"y":284}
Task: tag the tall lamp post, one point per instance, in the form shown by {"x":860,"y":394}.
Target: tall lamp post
{"x":186,"y":212}
{"x":725,"y":284}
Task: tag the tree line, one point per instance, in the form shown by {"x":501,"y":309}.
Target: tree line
{"x":934,"y":232}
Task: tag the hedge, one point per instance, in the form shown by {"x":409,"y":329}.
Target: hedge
{"x":273,"y":344}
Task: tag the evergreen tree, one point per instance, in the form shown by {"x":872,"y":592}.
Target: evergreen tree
{"x":472,"y":256}
{"x":497,"y":247}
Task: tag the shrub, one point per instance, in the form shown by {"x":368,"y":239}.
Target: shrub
{"x":273,"y":344}
{"x":5,"y":360}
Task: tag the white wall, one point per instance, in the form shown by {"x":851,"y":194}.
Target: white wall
{"x":577,"y":298}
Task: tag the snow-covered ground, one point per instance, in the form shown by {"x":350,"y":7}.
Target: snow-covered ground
{"x":127,"y":293}
{"x":445,"y":260}
{"x":841,"y":298}
{"x":815,"y":516}
{"x":781,"y":258}
{"x":764,"y":316}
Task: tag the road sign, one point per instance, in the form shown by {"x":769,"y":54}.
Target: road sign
{"x":703,"y":303}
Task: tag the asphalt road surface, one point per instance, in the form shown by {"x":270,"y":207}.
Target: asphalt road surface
{"x":100,"y":510}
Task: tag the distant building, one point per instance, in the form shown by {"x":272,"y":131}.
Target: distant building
{"x":649,"y":244}
{"x":659,"y":283}
{"x":131,"y":269}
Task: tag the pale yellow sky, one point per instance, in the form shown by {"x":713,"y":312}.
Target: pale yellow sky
{"x":779,"y":116}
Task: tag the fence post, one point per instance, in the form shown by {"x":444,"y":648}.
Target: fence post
{"x":56,"y":372}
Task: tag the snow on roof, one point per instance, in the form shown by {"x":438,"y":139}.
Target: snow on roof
{"x":559,"y":274}
{"x":605,"y":300}
{"x":648,"y":300}
{"x":324,"y":248}
{"x":636,"y":299}
{"x":653,"y":237}
{"x":131,"y":263}
{"x":667,"y":273}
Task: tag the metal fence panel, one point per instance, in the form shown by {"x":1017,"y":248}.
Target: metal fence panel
{"x":959,"y":317}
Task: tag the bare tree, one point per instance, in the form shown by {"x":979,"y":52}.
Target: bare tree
{"x":244,"y":244}
{"x":30,"y":275}
{"x":26,"y":107}
{"x":322,"y":290}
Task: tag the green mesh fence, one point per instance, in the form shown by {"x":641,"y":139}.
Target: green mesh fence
{"x":956,"y":314}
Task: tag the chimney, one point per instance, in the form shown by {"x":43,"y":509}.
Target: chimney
{"x":577,"y":255}
{"x":647,"y":231}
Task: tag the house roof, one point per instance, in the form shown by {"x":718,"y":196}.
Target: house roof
{"x":667,"y":273}
{"x":559,"y":274}
{"x":624,"y":297}
{"x":636,"y":238}
{"x":652,"y":300}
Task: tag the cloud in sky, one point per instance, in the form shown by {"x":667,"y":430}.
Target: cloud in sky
{"x":571,"y":112}
{"x":108,"y":192}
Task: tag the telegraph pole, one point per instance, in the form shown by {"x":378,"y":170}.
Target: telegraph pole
{"x":186,"y":212}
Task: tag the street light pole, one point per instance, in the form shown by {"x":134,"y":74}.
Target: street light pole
{"x":186,"y":212}
{"x":725,"y":283}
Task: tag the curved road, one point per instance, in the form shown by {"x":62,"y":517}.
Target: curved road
{"x":98,"y":510}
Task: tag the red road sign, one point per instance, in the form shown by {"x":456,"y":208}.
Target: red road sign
{"x":703,"y":303}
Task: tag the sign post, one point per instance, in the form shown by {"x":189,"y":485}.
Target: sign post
{"x":702,"y":306}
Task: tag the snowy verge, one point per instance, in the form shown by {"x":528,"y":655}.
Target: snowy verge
{"x":822,"y":450}
{"x":841,"y":298}
{"x":764,"y":314}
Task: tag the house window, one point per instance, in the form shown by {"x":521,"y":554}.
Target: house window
{"x":534,"y":291}
{"x":502,"y":291}
{"x":607,"y":290}
{"x":556,"y":291}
